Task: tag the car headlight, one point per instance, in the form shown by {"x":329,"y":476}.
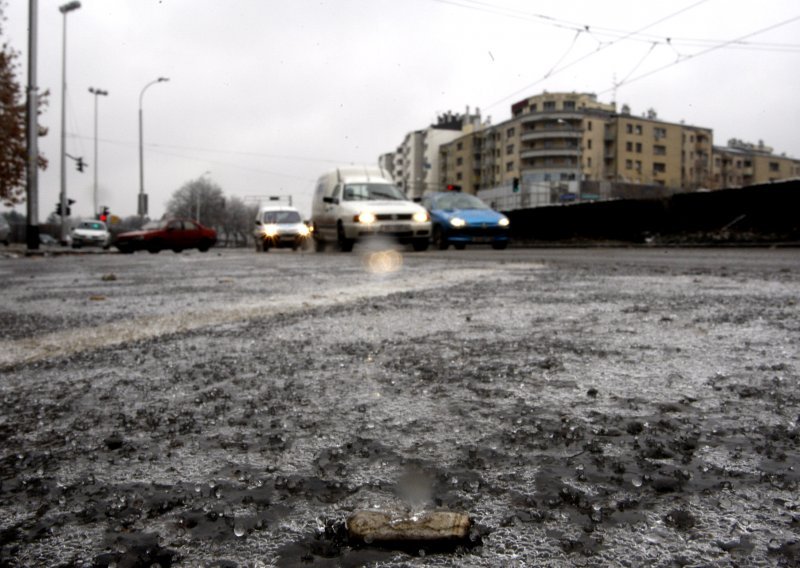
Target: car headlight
{"x":365,"y":218}
{"x":270,"y":230}
{"x":503,"y":222}
{"x":304,"y":230}
{"x":457,"y":222}
{"x":420,"y":217}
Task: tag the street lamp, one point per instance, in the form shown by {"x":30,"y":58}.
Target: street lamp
{"x":64,"y":9}
{"x":96,"y":93}
{"x":142,"y":209}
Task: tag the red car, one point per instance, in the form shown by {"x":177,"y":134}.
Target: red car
{"x":175,"y":234}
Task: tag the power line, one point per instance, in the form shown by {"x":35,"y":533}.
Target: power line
{"x":704,"y":52}
{"x":595,"y":52}
{"x":218,"y":151}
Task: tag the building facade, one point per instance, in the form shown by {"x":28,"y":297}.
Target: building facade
{"x":416,"y":166}
{"x":561,"y":147}
{"x":741,"y":163}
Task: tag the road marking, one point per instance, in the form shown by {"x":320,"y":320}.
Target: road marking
{"x":69,"y":342}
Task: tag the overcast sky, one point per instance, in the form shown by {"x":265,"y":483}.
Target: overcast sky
{"x":267,"y":95}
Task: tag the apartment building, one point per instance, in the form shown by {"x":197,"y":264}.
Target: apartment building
{"x":416,"y":162}
{"x":558,"y":147}
{"x":742,"y":163}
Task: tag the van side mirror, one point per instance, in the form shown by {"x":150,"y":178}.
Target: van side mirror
{"x":258,"y":222}
{"x":417,"y":200}
{"x":327,"y":199}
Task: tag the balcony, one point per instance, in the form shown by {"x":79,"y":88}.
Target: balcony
{"x":552,"y":116}
{"x":550,"y":133}
{"x":528,"y":153}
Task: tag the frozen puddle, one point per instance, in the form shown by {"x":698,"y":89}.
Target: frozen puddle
{"x":65,"y":343}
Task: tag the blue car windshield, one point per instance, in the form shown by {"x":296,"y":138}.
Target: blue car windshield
{"x":372,"y":192}
{"x":458,"y":201}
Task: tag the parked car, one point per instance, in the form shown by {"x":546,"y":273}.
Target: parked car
{"x":461,"y":219}
{"x":175,"y":234}
{"x":354,"y":202}
{"x":279,"y":227}
{"x":5,"y":229}
{"x":48,"y":240}
{"x":90,"y":233}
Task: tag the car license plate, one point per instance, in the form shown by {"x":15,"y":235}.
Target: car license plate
{"x":394,"y":228}
{"x":481,"y":239}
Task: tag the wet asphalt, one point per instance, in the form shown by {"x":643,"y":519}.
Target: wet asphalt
{"x":585,"y":407}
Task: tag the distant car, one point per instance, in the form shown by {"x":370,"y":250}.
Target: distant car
{"x":5,"y":229}
{"x":45,"y":239}
{"x":174,"y":234}
{"x":461,"y":219}
{"x":279,"y":227}
{"x":90,"y":233}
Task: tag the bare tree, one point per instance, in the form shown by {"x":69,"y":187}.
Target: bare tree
{"x":200,"y":199}
{"x":238,"y":220}
{"x":13,"y":146}
{"x":231,"y":216}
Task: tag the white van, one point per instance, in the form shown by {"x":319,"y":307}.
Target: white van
{"x":279,"y":227}
{"x":353,"y":202}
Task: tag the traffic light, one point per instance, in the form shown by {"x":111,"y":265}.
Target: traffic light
{"x":452,"y":187}
{"x":58,"y":209}
{"x":79,"y":164}
{"x":515,"y":185}
{"x":103,"y":215}
{"x":69,"y":206}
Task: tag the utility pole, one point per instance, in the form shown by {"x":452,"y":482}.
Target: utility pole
{"x":32,"y":129}
{"x":96,"y":93}
{"x":65,"y":9}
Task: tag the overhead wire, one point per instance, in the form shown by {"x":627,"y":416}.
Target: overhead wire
{"x":576,"y":61}
{"x":704,"y":52}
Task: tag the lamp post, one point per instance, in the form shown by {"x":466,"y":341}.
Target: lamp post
{"x":142,"y":209}
{"x":64,"y":9}
{"x":96,"y":93}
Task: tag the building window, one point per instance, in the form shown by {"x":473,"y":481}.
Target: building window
{"x":638,"y":147}
{"x":459,"y":161}
{"x":549,"y":105}
{"x":659,"y":168}
{"x":589,"y":162}
{"x":774,"y":167}
{"x":460,"y":146}
{"x":509,"y":166}
{"x":533,"y":107}
{"x":569,"y":105}
{"x":510,"y":133}
{"x":589,"y":125}
{"x":639,"y":166}
{"x":628,"y":164}
{"x":638,"y":129}
{"x":509,"y":149}
{"x":589,"y":144}
{"x":659,"y":133}
{"x":659,"y":150}
{"x":629,"y":128}
{"x":629,"y":146}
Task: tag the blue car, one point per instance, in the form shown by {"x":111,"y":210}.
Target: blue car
{"x":461,"y":219}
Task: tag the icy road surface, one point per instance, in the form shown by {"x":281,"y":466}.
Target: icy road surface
{"x":606,"y":407}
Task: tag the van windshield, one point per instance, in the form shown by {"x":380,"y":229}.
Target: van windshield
{"x":372,"y":192}
{"x":281,"y":217}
